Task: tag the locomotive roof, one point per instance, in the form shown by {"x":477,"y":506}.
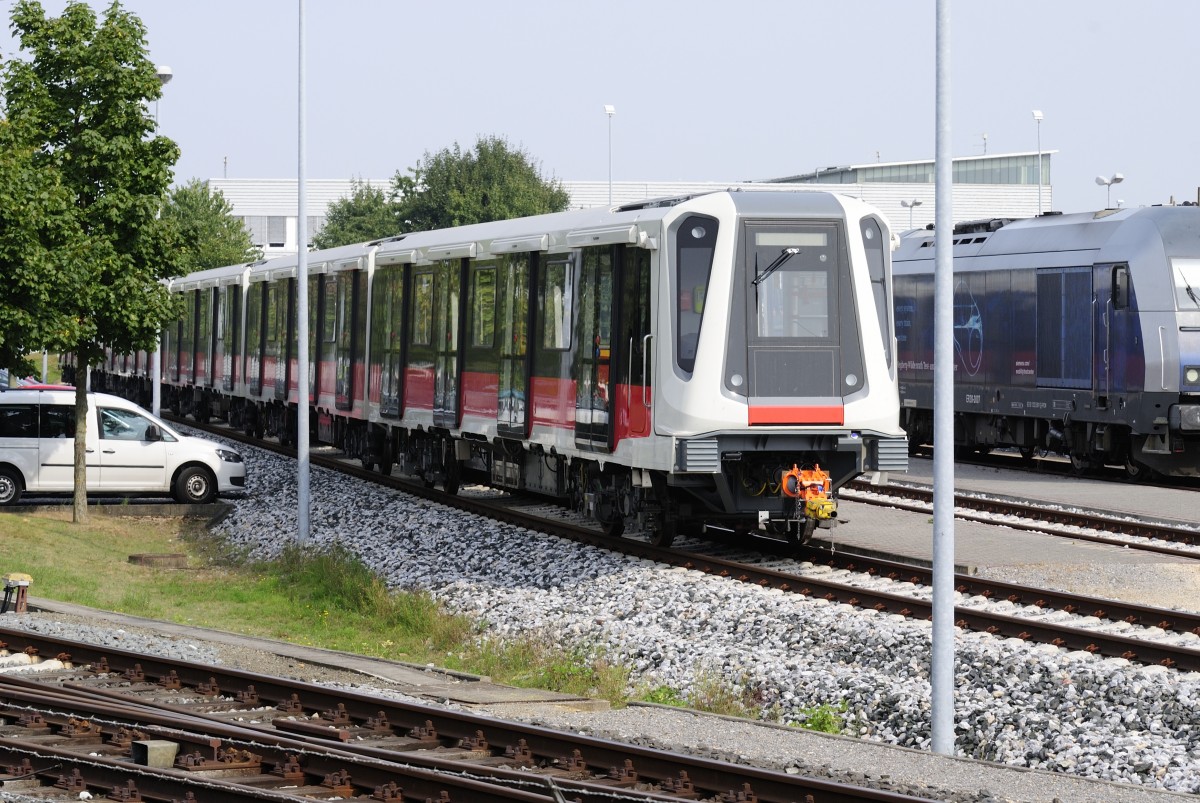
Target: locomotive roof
{"x":1075,"y":238}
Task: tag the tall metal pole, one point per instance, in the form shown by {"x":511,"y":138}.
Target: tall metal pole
{"x":610,"y":111}
{"x":1037,"y":115}
{"x":941,"y":672}
{"x":165,"y":74}
{"x":302,"y":458}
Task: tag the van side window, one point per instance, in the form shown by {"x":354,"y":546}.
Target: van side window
{"x":58,"y":421}
{"x":18,"y":421}
{"x":122,"y":425}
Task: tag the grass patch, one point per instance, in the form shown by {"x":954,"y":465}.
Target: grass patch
{"x":329,"y":599}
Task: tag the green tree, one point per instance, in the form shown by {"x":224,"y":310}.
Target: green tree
{"x":37,"y":238}
{"x":367,"y":214}
{"x":493,"y":181}
{"x":209,"y":235}
{"x":80,"y":107}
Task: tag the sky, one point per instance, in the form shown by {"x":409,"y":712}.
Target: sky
{"x":704,"y":90}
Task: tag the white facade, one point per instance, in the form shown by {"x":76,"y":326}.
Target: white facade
{"x":268,"y":206}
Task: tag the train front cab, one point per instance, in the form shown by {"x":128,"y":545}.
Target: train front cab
{"x":791,"y":382}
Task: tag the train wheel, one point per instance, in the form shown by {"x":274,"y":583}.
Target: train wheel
{"x":666,"y":527}
{"x":453,"y":478}
{"x":1080,"y":464}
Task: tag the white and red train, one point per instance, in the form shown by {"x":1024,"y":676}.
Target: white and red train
{"x":724,"y":360}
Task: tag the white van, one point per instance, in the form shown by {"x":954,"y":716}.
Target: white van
{"x":129,"y":451}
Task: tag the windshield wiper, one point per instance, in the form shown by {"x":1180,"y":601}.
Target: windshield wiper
{"x":1187,"y":287}
{"x":784,"y":256}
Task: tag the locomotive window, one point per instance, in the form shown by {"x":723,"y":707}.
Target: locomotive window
{"x":422,"y":325}
{"x":1187,"y":283}
{"x":1120,"y":287}
{"x":556,"y":305}
{"x":483,"y":307}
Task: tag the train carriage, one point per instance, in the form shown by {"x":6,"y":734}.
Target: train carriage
{"x":722,"y":360}
{"x":1073,"y":334}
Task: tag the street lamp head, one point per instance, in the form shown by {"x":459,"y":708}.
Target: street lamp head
{"x":910,"y":204}
{"x":1102,"y":181}
{"x":610,"y":110}
{"x":164,"y":74}
{"x":1037,"y":115}
{"x":1117,"y":178}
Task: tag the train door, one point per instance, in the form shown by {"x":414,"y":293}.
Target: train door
{"x":346,"y":341}
{"x":255,"y":337}
{"x":516,"y":280}
{"x":387,"y":329}
{"x":204,"y":331}
{"x":594,"y":355}
{"x":800,"y":325}
{"x":185,"y":371}
{"x":447,"y":322}
{"x":418,"y":385}
{"x":321,"y":309}
{"x":632,"y":371}
{"x":281,"y":332}
{"x":227,"y":335}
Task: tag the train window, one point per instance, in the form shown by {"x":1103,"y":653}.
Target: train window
{"x":329,"y":326}
{"x":1187,"y":282}
{"x":556,"y":305}
{"x":791,"y":274}
{"x":697,"y":237}
{"x":483,"y":307}
{"x":422,"y":324}
{"x":876,"y":249}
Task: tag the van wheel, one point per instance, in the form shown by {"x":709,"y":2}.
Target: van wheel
{"x":10,"y":486}
{"x":195,"y":486}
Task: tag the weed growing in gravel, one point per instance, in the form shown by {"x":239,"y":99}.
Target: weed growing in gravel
{"x":541,"y":663}
{"x":824,"y":718}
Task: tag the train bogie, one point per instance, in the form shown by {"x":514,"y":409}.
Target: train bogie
{"x":721,"y":360}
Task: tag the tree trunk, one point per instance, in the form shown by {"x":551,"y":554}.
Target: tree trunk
{"x":80,"y":512}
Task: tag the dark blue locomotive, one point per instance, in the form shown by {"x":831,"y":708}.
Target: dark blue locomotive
{"x":1073,"y":334}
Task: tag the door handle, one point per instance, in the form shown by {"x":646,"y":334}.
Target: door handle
{"x":645,"y":370}
{"x":110,"y":451}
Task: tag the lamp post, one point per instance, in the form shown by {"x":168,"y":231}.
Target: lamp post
{"x":610,"y":111}
{"x":910,"y":206}
{"x":1037,"y":116}
{"x":164,"y":77}
{"x":1116,"y":178}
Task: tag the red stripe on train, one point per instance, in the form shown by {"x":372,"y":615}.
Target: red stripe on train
{"x":798,"y":415}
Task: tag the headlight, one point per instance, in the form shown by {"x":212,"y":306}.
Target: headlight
{"x":1189,"y":416}
{"x":229,"y":456}
{"x":1191,"y":375}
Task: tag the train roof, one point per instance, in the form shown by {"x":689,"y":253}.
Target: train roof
{"x":555,"y":232}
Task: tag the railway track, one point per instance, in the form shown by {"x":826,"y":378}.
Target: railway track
{"x":139,"y":727}
{"x":1105,"y":627}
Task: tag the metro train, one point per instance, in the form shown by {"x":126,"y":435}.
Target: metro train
{"x":719,"y":360}
{"x":1075,"y":334}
